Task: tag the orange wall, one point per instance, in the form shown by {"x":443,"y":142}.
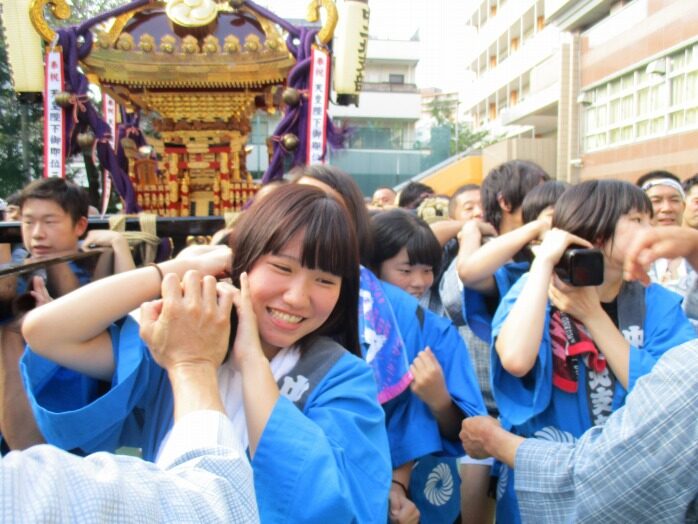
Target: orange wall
{"x":467,"y":170}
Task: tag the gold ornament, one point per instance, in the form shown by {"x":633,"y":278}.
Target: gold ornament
{"x":86,"y":140}
{"x":252,"y":43}
{"x":192,"y":13}
{"x":231,"y":44}
{"x":62,"y":99}
{"x":190,"y":45}
{"x":291,"y":96}
{"x":103,"y":39}
{"x":146,"y":43}
{"x":125,"y":42}
{"x":211,"y":45}
{"x":167,"y":44}
{"x":290,"y":142}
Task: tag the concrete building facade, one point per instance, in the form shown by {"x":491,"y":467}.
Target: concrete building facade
{"x":608,"y":88}
{"x":381,"y":150}
{"x":639,"y":91}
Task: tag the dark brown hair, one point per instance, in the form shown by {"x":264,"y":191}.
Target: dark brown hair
{"x":591,"y":209}
{"x":510,"y":181}
{"x":72,"y":198}
{"x":541,"y":197}
{"x":399,"y":228}
{"x":328,"y":243}
{"x":353,"y":199}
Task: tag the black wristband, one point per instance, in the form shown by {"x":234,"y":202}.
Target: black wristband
{"x":402,"y":486}
{"x":157,"y":268}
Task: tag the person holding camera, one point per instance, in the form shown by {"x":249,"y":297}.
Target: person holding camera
{"x":607,"y":475}
{"x":565,"y":357}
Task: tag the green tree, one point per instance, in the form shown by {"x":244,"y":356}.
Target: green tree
{"x":21,"y":117}
{"x":462,"y":137}
{"x":442,"y":111}
{"x":466,"y":139}
{"x":82,"y":10}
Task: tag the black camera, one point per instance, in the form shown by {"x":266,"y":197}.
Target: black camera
{"x":580,"y":266}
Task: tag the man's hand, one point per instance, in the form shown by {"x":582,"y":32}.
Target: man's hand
{"x":190,"y":324}
{"x":484,"y":437}
{"x":187,"y":334}
{"x":475,"y":435}
{"x":654,"y":243}
{"x":96,"y":238}
{"x":210,"y":260}
{"x":39,"y":291}
{"x":476,"y":228}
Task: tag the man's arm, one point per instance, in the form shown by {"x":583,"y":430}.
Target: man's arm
{"x":208,"y":483}
{"x":641,"y":463}
{"x":123,"y":260}
{"x":664,"y":242}
{"x":476,"y":268}
{"x":208,"y":477}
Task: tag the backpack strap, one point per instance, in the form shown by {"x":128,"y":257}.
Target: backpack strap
{"x":310,"y":370}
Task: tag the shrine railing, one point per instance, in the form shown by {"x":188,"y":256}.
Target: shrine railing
{"x":176,"y":228}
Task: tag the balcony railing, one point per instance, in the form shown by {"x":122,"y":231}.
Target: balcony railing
{"x":387,"y":87}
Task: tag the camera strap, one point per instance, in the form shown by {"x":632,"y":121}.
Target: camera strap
{"x":569,"y":342}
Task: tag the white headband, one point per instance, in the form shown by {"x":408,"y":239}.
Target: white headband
{"x":664,"y":182}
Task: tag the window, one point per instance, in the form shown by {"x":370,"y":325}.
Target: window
{"x":639,"y":105}
{"x":396,"y":79}
{"x":377,"y":135}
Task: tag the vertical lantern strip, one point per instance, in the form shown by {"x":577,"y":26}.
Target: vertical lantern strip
{"x":318,"y":97}
{"x":54,"y":117}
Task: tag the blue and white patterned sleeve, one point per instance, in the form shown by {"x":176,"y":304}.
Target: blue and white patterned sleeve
{"x":209,"y":481}
{"x":639,"y":467}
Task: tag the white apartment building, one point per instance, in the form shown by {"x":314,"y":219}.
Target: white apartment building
{"x":389,"y":104}
{"x":526,"y":72}
{"x":381,"y":150}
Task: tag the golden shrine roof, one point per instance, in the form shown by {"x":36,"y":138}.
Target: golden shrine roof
{"x":146,"y":48}
{"x":186,"y":59}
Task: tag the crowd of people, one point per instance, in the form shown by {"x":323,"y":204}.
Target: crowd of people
{"x":410,"y":358}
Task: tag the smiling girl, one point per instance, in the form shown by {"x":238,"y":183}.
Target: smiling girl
{"x":293,"y":385}
{"x":406,"y":251}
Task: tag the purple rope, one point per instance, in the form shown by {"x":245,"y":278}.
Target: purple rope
{"x":90,"y":118}
{"x":128,"y":128}
{"x":296,"y":118}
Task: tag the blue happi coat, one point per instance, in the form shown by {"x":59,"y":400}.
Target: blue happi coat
{"x":328,"y":463}
{"x":532,"y":406}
